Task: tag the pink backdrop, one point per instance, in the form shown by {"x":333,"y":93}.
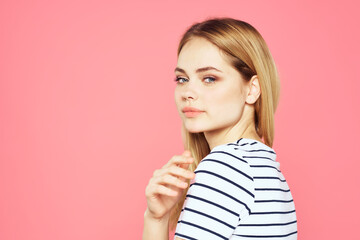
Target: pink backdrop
{"x":87,"y":110}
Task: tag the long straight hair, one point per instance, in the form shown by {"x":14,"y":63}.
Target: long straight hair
{"x":247,"y":51}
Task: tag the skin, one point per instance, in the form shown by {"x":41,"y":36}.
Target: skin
{"x":226,"y":100}
{"x":225,"y":97}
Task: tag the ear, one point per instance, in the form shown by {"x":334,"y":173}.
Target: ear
{"x":254,"y":90}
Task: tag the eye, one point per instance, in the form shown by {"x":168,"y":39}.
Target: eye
{"x":180,"y":80}
{"x":210,"y":79}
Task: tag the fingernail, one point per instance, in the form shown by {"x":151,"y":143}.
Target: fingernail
{"x":187,"y":153}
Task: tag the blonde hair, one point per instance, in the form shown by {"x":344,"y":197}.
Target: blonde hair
{"x":249,"y":54}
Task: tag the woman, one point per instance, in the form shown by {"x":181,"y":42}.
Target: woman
{"x":227,"y":184}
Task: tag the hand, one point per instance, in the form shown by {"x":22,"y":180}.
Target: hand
{"x":167,"y":185}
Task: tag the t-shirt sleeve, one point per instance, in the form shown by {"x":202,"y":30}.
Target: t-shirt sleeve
{"x":220,"y":195}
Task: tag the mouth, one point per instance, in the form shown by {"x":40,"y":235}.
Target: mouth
{"x":191,"y":111}
{"x":191,"y":114}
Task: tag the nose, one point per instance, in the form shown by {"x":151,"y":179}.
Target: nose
{"x":189,"y":93}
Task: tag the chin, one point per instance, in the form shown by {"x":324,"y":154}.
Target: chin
{"x":194,"y":129}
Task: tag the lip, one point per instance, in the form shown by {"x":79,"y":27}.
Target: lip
{"x":191,"y":111}
{"x":192,"y":114}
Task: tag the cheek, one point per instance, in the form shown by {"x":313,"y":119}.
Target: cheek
{"x":227,"y":101}
{"x":177,"y":98}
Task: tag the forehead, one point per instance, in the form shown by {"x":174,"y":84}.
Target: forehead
{"x":199,"y":52}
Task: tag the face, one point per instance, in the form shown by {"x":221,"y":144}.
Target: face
{"x":210,"y":94}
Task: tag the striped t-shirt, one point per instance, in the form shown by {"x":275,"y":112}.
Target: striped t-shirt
{"x":239,"y":192}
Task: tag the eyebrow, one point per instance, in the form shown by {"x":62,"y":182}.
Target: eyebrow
{"x":204,"y":69}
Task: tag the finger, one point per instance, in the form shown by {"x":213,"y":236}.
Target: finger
{"x":175,"y":171}
{"x":186,"y":165}
{"x":186,"y":153}
{"x":152,"y":190}
{"x":157,"y":172}
{"x":181,"y":172}
{"x":183,"y":160}
{"x":178,"y":160}
{"x":172,"y":160}
{"x":161,"y":189}
{"x":171,"y":181}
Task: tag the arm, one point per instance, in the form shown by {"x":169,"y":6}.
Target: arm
{"x":163,"y":191}
{"x":221,"y":195}
{"x":155,"y":228}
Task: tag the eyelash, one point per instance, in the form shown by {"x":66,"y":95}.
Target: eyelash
{"x":177,"y":80}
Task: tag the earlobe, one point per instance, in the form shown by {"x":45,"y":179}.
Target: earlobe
{"x":254,"y":90}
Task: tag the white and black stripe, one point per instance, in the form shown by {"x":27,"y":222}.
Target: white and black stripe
{"x":239,"y":192}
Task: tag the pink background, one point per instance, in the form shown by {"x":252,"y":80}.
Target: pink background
{"x":87,"y":111}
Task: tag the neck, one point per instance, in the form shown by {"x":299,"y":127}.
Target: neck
{"x":243,"y":129}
